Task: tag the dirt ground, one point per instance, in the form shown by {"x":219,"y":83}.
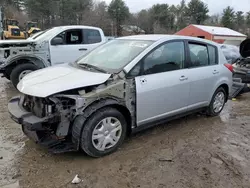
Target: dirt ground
{"x":195,"y":151}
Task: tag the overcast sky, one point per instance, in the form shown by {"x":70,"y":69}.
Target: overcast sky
{"x":215,"y":6}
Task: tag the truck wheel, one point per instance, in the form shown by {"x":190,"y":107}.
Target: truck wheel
{"x":20,"y":71}
{"x":103,"y":132}
{"x":217,"y":103}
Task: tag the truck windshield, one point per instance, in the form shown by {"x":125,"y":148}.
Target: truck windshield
{"x":44,"y":34}
{"x":115,"y":54}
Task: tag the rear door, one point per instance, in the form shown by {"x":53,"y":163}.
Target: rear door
{"x":77,"y":42}
{"x":204,"y":72}
{"x":162,"y":89}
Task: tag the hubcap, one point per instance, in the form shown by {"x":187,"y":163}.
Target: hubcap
{"x":107,"y":133}
{"x":24,"y":73}
{"x":219,"y":101}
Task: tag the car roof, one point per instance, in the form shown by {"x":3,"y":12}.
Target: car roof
{"x":153,"y":37}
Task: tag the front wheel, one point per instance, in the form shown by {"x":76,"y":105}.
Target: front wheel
{"x":217,"y":103}
{"x":20,"y":71}
{"x":103,"y":132}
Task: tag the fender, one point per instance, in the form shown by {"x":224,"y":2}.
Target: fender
{"x":80,"y":120}
{"x":38,"y":61}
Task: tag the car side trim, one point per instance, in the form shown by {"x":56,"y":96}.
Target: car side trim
{"x":165,"y":120}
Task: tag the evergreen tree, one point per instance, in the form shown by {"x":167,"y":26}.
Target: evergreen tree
{"x":228,"y":17}
{"x":118,"y":11}
{"x":197,"y":11}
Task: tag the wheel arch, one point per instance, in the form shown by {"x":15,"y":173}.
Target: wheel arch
{"x":226,"y":88}
{"x":126,"y":113}
{"x":80,"y":120}
{"x":12,"y":63}
{"x":224,"y":82}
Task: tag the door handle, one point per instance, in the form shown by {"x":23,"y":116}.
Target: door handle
{"x":215,"y":72}
{"x":143,"y":80}
{"x":183,"y":78}
{"x":83,"y":49}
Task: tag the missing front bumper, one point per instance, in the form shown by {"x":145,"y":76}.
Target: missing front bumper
{"x":21,"y":116}
{"x":32,"y":127}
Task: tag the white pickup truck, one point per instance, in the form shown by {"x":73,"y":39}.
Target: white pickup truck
{"x":51,"y":47}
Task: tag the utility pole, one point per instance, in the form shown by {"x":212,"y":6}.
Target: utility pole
{"x":112,"y":28}
{"x":1,"y":20}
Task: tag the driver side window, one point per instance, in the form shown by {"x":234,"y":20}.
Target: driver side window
{"x":71,"y":37}
{"x":168,"y":57}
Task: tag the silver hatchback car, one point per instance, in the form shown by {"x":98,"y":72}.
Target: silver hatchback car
{"x":121,"y":87}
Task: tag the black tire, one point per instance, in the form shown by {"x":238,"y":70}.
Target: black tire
{"x":210,"y":110}
{"x":86,"y":136}
{"x":14,"y":76}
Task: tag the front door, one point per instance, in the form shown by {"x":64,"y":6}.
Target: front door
{"x":163,"y":86}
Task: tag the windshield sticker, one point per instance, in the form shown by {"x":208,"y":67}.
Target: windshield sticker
{"x":139,"y":45}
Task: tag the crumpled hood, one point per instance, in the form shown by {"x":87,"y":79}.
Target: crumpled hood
{"x":245,"y":48}
{"x":56,"y":79}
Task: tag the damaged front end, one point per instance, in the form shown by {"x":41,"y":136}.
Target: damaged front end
{"x":8,"y":49}
{"x":53,"y":121}
{"x":45,"y":120}
{"x":14,"y":50}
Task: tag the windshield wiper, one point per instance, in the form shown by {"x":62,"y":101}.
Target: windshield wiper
{"x":93,"y":67}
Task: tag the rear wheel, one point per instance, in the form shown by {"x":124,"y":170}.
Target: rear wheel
{"x":217,"y":103}
{"x":103,"y":132}
{"x":20,"y":71}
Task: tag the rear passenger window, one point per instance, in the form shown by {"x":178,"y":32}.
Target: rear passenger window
{"x":168,"y":57}
{"x":212,"y":55}
{"x":91,"y":36}
{"x":198,"y":55}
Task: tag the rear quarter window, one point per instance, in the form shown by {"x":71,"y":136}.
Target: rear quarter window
{"x":212,"y":55}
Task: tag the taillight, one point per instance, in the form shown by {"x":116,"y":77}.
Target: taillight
{"x":229,"y":66}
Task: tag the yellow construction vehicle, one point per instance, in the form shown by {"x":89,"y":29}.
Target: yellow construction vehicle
{"x":11,"y":30}
{"x":31,"y":28}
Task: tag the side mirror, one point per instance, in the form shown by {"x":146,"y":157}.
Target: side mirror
{"x":56,"y":41}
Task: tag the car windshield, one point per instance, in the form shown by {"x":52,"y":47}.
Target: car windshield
{"x":114,"y":55}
